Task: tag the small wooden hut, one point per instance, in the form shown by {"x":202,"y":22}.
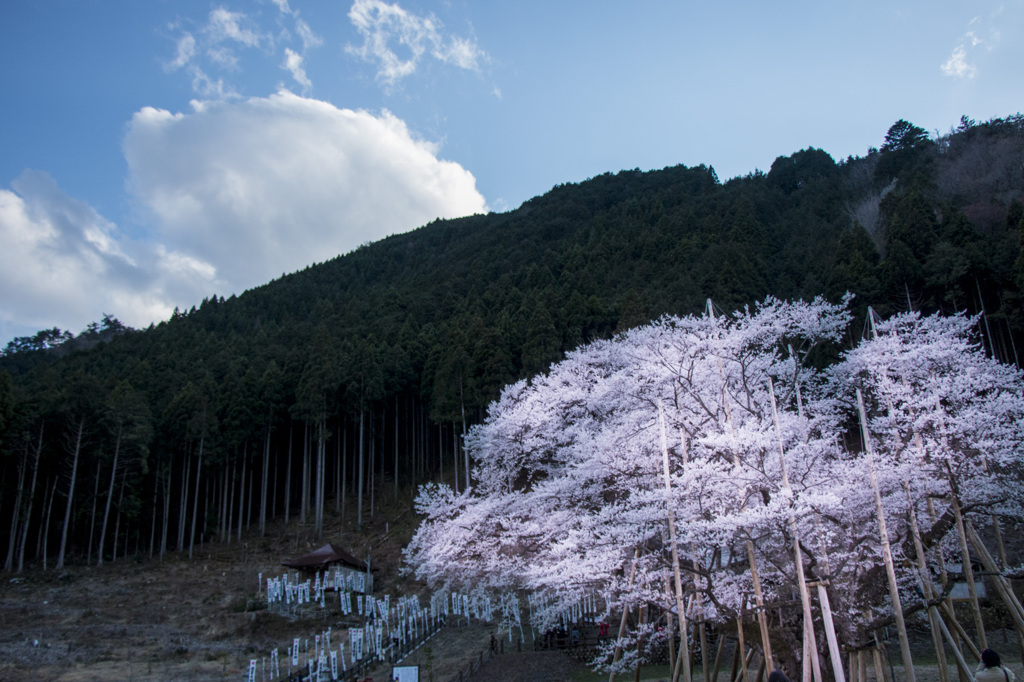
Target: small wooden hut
{"x":333,"y":559}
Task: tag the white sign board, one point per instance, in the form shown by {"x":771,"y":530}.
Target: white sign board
{"x":405,"y":673}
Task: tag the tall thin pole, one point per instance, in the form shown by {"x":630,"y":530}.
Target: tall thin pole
{"x":684,"y":659}
{"x":755,"y":578}
{"x":805,"y":595}
{"x":894,"y":594}
{"x":625,"y":614}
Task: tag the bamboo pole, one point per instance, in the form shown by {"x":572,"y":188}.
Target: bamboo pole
{"x":811,"y":648}
{"x":1003,"y":584}
{"x":742,"y":647}
{"x":736,"y":662}
{"x":826,"y":611}
{"x":622,"y":622}
{"x":702,"y":627}
{"x":961,"y":664}
{"x":830,"y":634}
{"x":925,"y":582}
{"x":669,"y":627}
{"x":961,"y":536}
{"x":876,"y":658}
{"x":824,"y":604}
{"x":759,"y":675}
{"x":705,"y":670}
{"x":684,"y":657}
{"x":639,"y":643}
{"x":947,"y":603}
{"x":883,"y":532}
{"x":755,"y":578}
{"x":805,"y":660}
{"x":960,"y":632}
{"x":762,"y":619}
{"x":999,"y":540}
{"x":1013,"y":605}
{"x":718,"y":657}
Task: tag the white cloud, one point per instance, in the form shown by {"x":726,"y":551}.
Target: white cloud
{"x":293,"y":64}
{"x":186,"y":50}
{"x":957,"y":65}
{"x":384,"y":25}
{"x":270,"y":185}
{"x":214,"y":46}
{"x":980,"y":35}
{"x":226,"y":43}
{"x":69,"y":265}
{"x":309,"y":39}
{"x":224,"y":25}
{"x":460,"y":52}
{"x":204,"y":85}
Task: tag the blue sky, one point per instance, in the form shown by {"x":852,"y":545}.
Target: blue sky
{"x":156,"y":153}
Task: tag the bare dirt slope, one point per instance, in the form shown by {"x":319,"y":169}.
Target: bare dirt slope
{"x":176,"y":619}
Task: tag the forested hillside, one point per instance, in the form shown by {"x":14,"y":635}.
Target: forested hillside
{"x":354,"y":378}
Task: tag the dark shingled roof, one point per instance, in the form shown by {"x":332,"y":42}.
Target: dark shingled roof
{"x":326,"y":555}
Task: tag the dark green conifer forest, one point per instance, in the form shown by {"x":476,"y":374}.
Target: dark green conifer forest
{"x":354,"y":379}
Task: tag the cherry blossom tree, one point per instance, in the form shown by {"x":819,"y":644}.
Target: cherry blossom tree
{"x":730,"y":427}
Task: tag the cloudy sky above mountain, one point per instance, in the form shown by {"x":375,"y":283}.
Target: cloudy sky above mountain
{"x":156,"y":153}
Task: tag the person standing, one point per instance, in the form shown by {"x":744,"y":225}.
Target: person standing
{"x":992,"y":669}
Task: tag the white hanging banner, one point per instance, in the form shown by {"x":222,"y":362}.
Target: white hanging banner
{"x":295,"y":652}
{"x":334,"y":665}
{"x":252,"y":670}
{"x":356,"y":642}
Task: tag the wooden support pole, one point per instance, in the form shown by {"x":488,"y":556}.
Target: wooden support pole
{"x":960,"y":632}
{"x":894,"y":594}
{"x":684,"y":658}
{"x":736,"y":662}
{"x":718,"y":657}
{"x":826,"y":611}
{"x":810,"y":646}
{"x":999,"y":540}
{"x":876,"y":658}
{"x":1013,"y":605}
{"x":815,"y":662}
{"x":968,"y":570}
{"x":742,"y":646}
{"x":759,"y":675}
{"x":705,"y":669}
{"x":669,"y":627}
{"x":925,"y":583}
{"x":805,"y":660}
{"x":830,"y":634}
{"x":947,"y":604}
{"x":961,"y":664}
{"x":883,"y":655}
{"x":639,"y":643}
{"x":762,"y":618}
{"x":1002,"y":584}
{"x":622,"y":622}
